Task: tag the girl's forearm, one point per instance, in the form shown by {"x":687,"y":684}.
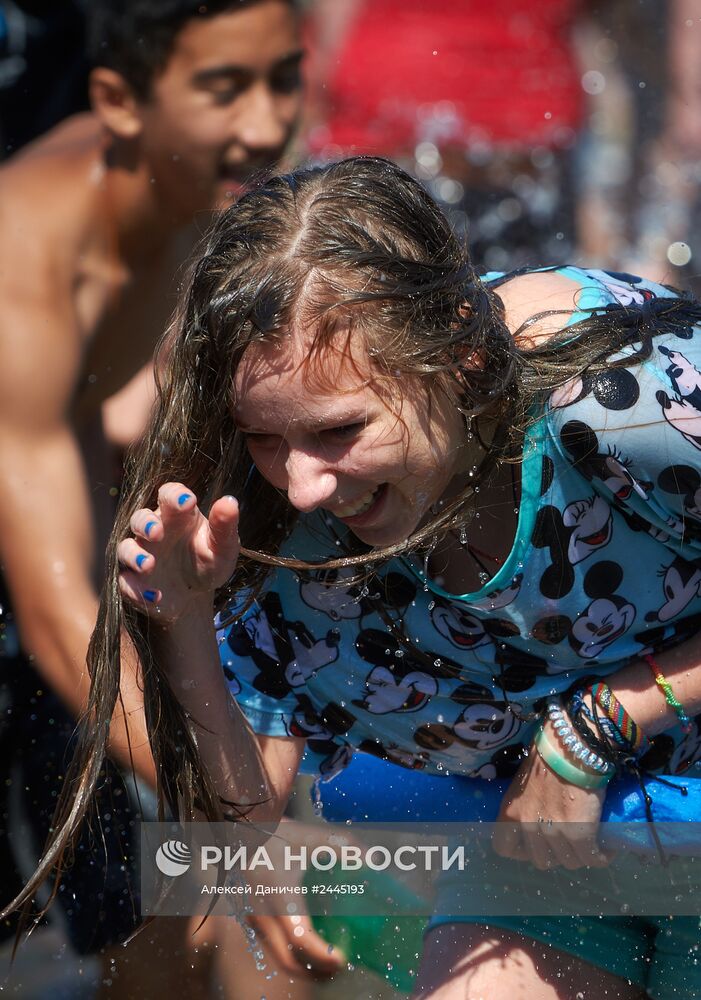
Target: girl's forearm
{"x":228,"y":746}
{"x":643,"y":699}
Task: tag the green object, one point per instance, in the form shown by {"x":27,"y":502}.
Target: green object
{"x":561,"y":766}
{"x":378,"y":929}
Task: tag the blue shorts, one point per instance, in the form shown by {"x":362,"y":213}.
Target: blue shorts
{"x":661,"y":955}
{"x":657,"y":953}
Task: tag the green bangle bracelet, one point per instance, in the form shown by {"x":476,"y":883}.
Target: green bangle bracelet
{"x":563,"y":768}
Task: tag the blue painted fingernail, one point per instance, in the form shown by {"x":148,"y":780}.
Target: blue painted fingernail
{"x":141,"y":559}
{"x":149,"y":528}
{"x":183,"y":498}
{"x":150,"y":595}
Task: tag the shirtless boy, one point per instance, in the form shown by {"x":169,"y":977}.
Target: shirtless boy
{"x":189,"y":102}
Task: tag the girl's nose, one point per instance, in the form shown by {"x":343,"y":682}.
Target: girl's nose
{"x":310,"y":482}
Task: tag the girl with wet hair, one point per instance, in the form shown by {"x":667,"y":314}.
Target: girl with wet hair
{"x":417,"y":501}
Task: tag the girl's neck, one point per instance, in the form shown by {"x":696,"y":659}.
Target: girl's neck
{"x":467,"y":558}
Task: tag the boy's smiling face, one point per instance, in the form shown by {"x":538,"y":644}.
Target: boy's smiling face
{"x":224,"y":107}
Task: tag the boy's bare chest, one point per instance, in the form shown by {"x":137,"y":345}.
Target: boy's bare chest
{"x":121,"y":318}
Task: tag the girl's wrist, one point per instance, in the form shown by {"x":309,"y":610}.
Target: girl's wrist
{"x":563,"y":764}
{"x":197,"y":613}
{"x":188,"y":638}
{"x":578,"y":748}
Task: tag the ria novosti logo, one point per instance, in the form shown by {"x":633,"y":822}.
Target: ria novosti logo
{"x":173,"y":858}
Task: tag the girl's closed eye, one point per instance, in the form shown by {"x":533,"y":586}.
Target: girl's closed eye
{"x":344,"y":432}
{"x":267,"y":441}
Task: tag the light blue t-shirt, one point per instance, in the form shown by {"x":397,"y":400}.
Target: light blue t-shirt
{"x":605,"y":566}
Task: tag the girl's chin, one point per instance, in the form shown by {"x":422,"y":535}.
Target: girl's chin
{"x":381,"y":537}
{"x":388,"y":521}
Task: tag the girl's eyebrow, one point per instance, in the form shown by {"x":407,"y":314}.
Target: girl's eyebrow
{"x":320,"y":424}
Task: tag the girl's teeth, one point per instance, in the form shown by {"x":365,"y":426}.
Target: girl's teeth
{"x":358,"y":508}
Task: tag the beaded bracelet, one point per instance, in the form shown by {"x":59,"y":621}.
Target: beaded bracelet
{"x":563,"y":768}
{"x":602,"y":695}
{"x":572,"y":744}
{"x":670,"y":697}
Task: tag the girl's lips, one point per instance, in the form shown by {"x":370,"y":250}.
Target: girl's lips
{"x":360,"y":520}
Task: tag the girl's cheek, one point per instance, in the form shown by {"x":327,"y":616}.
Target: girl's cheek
{"x":270,"y":468}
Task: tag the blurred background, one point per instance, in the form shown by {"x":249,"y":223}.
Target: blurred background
{"x":559,"y":130}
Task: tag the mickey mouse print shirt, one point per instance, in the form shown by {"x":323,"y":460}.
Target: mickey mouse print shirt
{"x":606,"y":565}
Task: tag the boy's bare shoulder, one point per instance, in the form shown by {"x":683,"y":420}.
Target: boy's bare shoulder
{"x":47,"y":197}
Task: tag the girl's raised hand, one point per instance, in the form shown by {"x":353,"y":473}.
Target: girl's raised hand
{"x":177,"y":557}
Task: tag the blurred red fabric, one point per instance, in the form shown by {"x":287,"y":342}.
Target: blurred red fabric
{"x":454,"y":71}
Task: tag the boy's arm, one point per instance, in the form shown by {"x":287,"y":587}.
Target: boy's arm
{"x":47,"y":544}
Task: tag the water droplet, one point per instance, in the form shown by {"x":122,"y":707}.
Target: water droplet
{"x":317,"y":803}
{"x":679,"y":253}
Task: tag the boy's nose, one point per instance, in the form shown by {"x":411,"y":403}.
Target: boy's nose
{"x":266,"y":121}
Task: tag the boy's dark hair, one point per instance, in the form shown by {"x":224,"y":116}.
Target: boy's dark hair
{"x":135,"y":37}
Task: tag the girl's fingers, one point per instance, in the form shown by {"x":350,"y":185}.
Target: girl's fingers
{"x":311,"y":949}
{"x":132,"y":556}
{"x":147,"y":524}
{"x":541,"y":848}
{"x":178,"y":508}
{"x":223,"y":527}
{"x":507,"y":841}
{"x":588,"y":853}
{"x":134,"y":588}
{"x":561,"y":845}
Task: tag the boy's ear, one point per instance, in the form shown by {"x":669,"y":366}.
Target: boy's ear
{"x":114,"y":103}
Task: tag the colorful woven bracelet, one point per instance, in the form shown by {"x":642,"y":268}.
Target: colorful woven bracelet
{"x":603,"y":696}
{"x":603,"y":725}
{"x":670,"y":697}
{"x":563,"y":768}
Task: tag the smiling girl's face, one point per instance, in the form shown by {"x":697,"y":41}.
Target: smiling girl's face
{"x":375,"y":459}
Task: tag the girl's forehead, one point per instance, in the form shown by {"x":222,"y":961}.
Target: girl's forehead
{"x":280,"y":396}
{"x":301,"y":360}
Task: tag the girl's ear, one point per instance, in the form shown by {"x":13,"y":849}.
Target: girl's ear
{"x":465,"y":310}
{"x":114,"y":103}
{"x":474,"y":360}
